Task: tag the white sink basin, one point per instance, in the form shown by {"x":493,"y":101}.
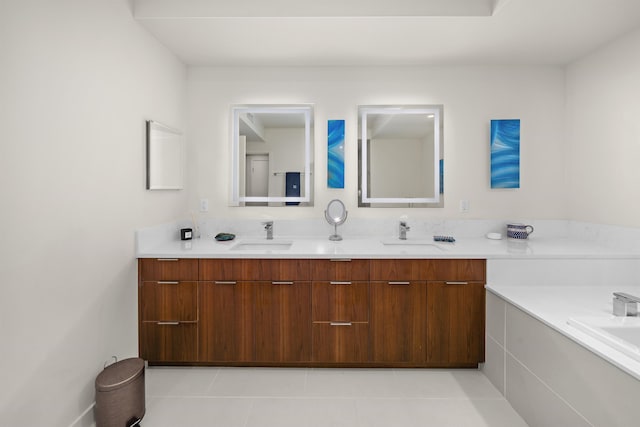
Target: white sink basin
{"x":263,"y":245}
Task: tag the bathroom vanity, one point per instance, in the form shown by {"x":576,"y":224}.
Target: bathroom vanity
{"x":374,"y":300}
{"x":312,"y":312}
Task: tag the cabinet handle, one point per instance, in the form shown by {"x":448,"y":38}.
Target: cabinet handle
{"x":399,"y":283}
{"x":340,"y":260}
{"x":230,"y":282}
{"x":282,"y":283}
{"x":339,"y":283}
{"x":167,"y":259}
{"x":168,"y":323}
{"x":456,"y":283}
{"x":340,"y":323}
{"x":168,"y":283}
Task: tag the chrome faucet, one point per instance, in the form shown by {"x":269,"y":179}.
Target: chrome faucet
{"x":403,"y":230}
{"x":268,"y":225}
{"x":625,"y":304}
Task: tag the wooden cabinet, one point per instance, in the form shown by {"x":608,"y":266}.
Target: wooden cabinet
{"x":282,"y":310}
{"x":255,"y":310}
{"x":456,"y":313}
{"x":283,"y":321}
{"x":398,"y":311}
{"x":320,"y":312}
{"x":340,"y":311}
{"x":168,"y":310}
{"x":226,"y":312}
{"x":226,"y":321}
{"x":455,"y":327}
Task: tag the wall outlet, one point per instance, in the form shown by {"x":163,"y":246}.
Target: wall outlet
{"x":204,"y":205}
{"x":464,"y":206}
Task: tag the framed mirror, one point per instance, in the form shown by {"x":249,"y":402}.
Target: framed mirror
{"x":400,"y":156}
{"x":165,"y":157}
{"x":272,"y":160}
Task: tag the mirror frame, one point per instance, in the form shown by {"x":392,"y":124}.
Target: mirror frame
{"x":363,"y":112}
{"x":236,"y":112}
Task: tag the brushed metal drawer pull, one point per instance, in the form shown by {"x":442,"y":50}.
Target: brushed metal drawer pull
{"x":168,"y":283}
{"x":339,"y":283}
{"x":399,"y":283}
{"x":222,"y":282}
{"x":282,"y":283}
{"x":168,"y":259}
{"x":340,"y":259}
{"x":456,"y":283}
{"x":168,"y":323}
{"x":340,"y":323}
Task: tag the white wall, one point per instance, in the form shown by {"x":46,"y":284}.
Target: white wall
{"x":603,"y":134}
{"x":471,"y":96}
{"x":77,"y":81}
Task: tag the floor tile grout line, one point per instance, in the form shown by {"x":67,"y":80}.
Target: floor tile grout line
{"x":354,"y":398}
{"x":213,"y":380}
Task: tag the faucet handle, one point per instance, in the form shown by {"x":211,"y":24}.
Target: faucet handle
{"x":267,"y":224}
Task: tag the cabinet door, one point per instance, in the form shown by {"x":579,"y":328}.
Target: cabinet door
{"x":398,"y":321}
{"x":226,"y":321}
{"x":282,"y":321}
{"x":455,"y":331}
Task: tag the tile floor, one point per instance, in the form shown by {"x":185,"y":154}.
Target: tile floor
{"x":282,"y":397}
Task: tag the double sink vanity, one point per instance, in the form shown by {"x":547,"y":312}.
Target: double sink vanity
{"x":312,"y":312}
{"x":378,"y":301}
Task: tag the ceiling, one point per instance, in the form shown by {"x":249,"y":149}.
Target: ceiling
{"x":384,"y":32}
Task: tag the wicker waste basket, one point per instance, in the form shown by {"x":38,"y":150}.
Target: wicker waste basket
{"x":120,"y":400}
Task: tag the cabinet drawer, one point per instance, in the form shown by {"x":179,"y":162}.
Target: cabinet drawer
{"x":459,"y":270}
{"x":340,"y":342}
{"x":254,"y":269}
{"x":168,"y":269}
{"x":169,"y":341}
{"x":277,"y":269}
{"x":400,"y":269}
{"x":340,"y":301}
{"x":340,"y":269}
{"x":169,"y":301}
{"x":221,"y":269}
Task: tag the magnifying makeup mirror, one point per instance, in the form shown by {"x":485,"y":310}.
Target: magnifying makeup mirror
{"x":336,"y":214}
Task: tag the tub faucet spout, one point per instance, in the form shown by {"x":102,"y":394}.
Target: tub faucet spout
{"x":625,"y":304}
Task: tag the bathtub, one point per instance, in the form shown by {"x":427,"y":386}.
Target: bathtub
{"x":620,"y":333}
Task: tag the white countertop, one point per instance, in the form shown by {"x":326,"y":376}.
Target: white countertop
{"x":554,"y":305}
{"x":373,"y":247}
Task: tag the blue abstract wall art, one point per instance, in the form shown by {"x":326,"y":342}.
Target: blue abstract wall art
{"x":335,"y":150}
{"x":505,"y":153}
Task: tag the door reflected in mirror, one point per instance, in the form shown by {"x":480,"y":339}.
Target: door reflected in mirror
{"x":400,"y":156}
{"x":272,"y":155}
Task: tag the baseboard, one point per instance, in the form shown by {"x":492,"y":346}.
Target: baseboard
{"x":86,"y":419}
